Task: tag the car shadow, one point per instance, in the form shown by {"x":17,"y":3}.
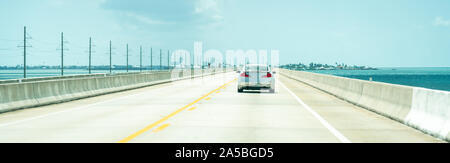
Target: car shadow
{"x":256,"y":92}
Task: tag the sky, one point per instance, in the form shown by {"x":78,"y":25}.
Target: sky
{"x":377,"y":33}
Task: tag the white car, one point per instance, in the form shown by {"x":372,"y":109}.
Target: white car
{"x":256,"y":77}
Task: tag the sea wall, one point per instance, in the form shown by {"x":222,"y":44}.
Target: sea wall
{"x":424,"y":109}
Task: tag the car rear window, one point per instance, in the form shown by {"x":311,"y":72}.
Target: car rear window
{"x":257,"y":68}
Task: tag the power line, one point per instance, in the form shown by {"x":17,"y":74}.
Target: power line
{"x":45,"y":53}
{"x":9,"y":40}
{"x":41,"y":51}
{"x":45,"y":42}
{"x":7,"y":54}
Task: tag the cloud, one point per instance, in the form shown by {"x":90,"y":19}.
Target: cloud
{"x":144,"y":19}
{"x":156,"y":12}
{"x":206,"y":5}
{"x":210,"y":9}
{"x":439,"y":21}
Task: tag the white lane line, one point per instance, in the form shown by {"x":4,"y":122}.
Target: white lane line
{"x":335,"y":132}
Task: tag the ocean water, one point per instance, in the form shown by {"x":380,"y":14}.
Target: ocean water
{"x":427,"y":77}
{"x":32,"y":73}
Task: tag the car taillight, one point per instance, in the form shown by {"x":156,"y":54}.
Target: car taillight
{"x":269,"y":75}
{"x":245,"y":75}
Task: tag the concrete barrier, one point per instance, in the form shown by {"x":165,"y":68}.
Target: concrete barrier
{"x":11,"y":81}
{"x":44,"y":91}
{"x":424,"y":109}
{"x":430,"y":112}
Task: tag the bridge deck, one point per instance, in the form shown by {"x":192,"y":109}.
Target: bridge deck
{"x":206,"y":109}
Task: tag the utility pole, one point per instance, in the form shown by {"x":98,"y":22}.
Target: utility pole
{"x":168,"y":60}
{"x":224,"y":64}
{"x":192,"y":60}
{"x":151,"y":58}
{"x":140,"y":68}
{"x":270,"y":60}
{"x":203,"y":61}
{"x":127,"y":57}
{"x":225,"y":60}
{"x":174,"y":63}
{"x":110,"y":57}
{"x":24,"y":51}
{"x":160,"y":59}
{"x":62,"y":54}
{"x":90,"y":51}
{"x":235,"y":63}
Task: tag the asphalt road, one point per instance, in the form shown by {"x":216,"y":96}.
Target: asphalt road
{"x":207,"y":110}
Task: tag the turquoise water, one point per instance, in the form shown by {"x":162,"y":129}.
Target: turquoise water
{"x":427,"y":77}
{"x":31,"y":73}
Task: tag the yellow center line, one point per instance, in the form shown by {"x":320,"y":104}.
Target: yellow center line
{"x":207,"y":99}
{"x":193,"y":108}
{"x":162,"y":127}
{"x":127,"y":139}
